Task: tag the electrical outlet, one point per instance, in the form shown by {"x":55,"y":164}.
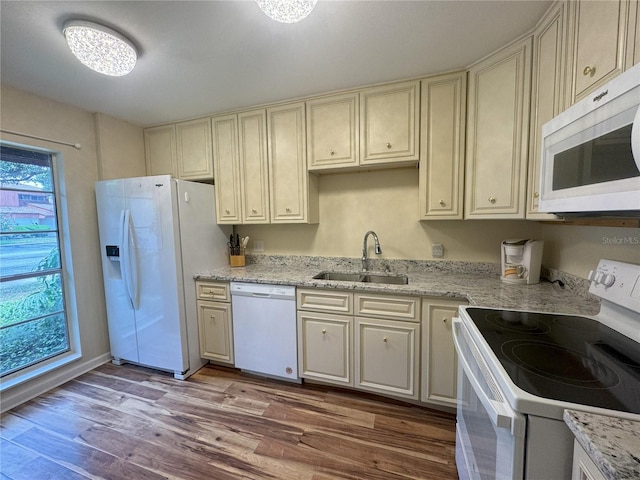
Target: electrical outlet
{"x":258,"y":245}
{"x":437,"y":250}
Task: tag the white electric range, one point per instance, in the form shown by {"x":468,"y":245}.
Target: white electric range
{"x":518,"y":371}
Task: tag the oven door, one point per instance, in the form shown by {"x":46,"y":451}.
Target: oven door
{"x":489,"y":434}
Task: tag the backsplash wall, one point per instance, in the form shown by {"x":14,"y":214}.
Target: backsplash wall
{"x":386,"y":201}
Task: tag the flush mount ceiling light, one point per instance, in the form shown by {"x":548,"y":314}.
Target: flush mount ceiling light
{"x":287,"y":11}
{"x":100,"y":48}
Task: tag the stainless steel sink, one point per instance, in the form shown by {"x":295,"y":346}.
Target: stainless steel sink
{"x":363,"y":278}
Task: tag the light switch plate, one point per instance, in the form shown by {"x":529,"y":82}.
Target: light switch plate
{"x":437,"y":250}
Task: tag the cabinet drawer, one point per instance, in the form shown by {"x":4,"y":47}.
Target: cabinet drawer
{"x":388,"y":306}
{"x":213,"y":291}
{"x":325,"y":301}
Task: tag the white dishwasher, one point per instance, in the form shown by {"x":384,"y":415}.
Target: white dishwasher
{"x":264,"y":329}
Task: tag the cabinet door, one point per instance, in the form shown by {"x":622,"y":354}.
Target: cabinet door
{"x":386,"y":354}
{"x":599,"y":43}
{"x":324,"y":347}
{"x":254,"y":170}
{"x":442,"y":146}
{"x":583,"y":468}
{"x":497,"y":132}
{"x":333,"y":132}
{"x":389,"y":119}
{"x":160,"y":150}
{"x":547,"y":94}
{"x":227,"y":169}
{"x":439,"y":358}
{"x":215,"y":330}
{"x":289,"y":182}
{"x":193,"y":147}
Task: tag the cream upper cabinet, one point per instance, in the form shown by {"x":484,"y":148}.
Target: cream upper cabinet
{"x":389,"y":120}
{"x":439,"y":358}
{"x":598,"y":43}
{"x":548,"y":95}
{"x":497,"y":131}
{"x":442,"y":132}
{"x":160,"y":150}
{"x":193,"y":147}
{"x":227,"y":169}
{"x":254,"y":170}
{"x":633,"y":35}
{"x":333,"y":132}
{"x":293,"y":191}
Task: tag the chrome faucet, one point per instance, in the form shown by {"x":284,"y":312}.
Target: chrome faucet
{"x":364,"y":248}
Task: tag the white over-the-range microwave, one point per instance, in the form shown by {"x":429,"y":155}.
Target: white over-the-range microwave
{"x":591,"y":153}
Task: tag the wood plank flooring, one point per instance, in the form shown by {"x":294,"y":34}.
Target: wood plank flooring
{"x":134,"y":423}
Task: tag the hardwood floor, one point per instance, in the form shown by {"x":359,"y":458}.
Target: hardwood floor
{"x":134,"y":423}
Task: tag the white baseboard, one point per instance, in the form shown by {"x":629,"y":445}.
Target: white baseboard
{"x":13,"y":397}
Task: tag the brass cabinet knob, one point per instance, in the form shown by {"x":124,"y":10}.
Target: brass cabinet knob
{"x":589,"y":71}
{"x":441,"y":202}
{"x":384,"y":339}
{"x":444,"y":320}
{"x":492,"y":199}
{"x":254,"y":211}
{"x":332,"y":152}
{"x":287,"y":209}
{"x":536,"y":194}
{"x":388,"y":145}
{"x":227,"y":212}
{"x":324,"y":330}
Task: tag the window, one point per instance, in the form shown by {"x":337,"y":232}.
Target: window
{"x":33,"y":321}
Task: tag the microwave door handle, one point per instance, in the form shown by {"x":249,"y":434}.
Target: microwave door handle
{"x":501,"y":416}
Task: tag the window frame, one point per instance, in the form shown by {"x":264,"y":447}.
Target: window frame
{"x":65,"y":270}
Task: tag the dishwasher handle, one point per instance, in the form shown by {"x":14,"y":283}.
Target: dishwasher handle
{"x":261,"y":290}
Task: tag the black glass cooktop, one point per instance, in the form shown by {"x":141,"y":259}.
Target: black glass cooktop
{"x":567,"y":358}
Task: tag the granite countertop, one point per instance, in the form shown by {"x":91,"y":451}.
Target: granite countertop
{"x":612,"y":443}
{"x":477,"y":283}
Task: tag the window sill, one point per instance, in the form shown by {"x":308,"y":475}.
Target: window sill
{"x":28,"y":374}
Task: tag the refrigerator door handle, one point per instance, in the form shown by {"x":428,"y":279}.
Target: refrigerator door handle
{"x":129,"y":262}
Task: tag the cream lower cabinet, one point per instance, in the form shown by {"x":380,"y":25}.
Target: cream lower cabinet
{"x":387,"y":354}
{"x":367,"y":341}
{"x":439,"y":357}
{"x":214,"y":321}
{"x":324,"y":347}
{"x":583,"y":467}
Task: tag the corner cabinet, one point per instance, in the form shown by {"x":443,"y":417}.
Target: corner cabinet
{"x":193,"y":149}
{"x":333,"y":132}
{"x":548,"y":94}
{"x":215,"y":327}
{"x":439,"y":357}
{"x":293,"y":191}
{"x":499,"y":91}
{"x":160,"y":150}
{"x":182,"y":150}
{"x":442,"y":132}
{"x":389,"y":120}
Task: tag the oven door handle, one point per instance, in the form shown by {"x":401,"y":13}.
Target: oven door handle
{"x":501,"y":415}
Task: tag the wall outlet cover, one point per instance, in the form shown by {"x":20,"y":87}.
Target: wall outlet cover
{"x":258,"y":245}
{"x":437,"y":250}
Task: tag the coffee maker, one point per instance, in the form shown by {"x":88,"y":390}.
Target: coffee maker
{"x":521,"y":261}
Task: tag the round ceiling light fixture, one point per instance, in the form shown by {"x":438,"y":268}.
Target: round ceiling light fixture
{"x":100,"y":48}
{"x":287,"y":11}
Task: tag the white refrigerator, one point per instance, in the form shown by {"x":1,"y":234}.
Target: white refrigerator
{"x":155,"y":233}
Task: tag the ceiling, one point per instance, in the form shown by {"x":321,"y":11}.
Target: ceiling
{"x":203,"y":57}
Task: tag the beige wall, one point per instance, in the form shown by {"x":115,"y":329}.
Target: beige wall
{"x":79,"y":169}
{"x":120,"y":148}
{"x":386,"y":201}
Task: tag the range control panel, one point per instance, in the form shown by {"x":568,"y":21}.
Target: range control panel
{"x":617,"y":282}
